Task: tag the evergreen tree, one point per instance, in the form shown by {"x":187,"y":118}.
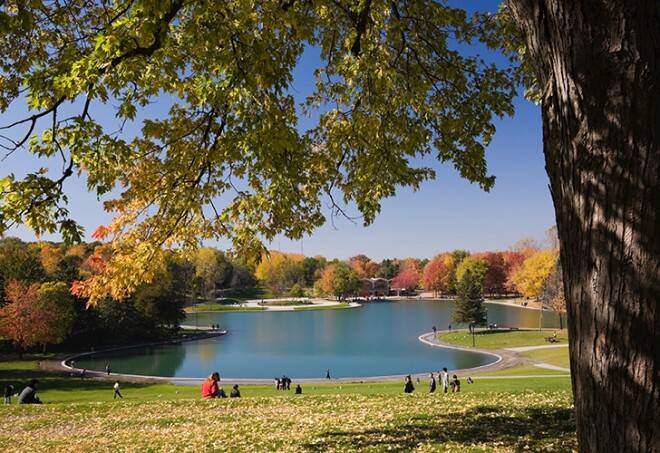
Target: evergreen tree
{"x":469,"y":307}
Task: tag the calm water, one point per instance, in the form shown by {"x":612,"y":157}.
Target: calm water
{"x":377,"y":339}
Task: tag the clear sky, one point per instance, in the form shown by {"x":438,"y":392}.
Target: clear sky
{"x":445,"y":214}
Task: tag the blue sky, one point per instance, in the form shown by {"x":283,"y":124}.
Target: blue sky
{"x":445,"y":214}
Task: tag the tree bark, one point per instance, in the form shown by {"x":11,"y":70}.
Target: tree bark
{"x":597,"y":64}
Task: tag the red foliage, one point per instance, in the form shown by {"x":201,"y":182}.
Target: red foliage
{"x":23,"y":321}
{"x":406,"y":279}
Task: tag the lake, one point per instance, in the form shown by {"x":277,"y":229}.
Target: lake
{"x":376,"y":339}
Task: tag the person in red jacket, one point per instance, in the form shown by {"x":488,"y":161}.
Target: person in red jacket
{"x":210,"y":387}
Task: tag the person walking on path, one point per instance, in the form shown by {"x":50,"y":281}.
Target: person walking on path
{"x":9,"y":391}
{"x":107,"y":369}
{"x":327,"y":374}
{"x":445,"y":380}
{"x":431,"y":383}
{"x":116,"y":389}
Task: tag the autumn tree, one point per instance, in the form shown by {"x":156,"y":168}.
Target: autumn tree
{"x":339,"y":280}
{"x":495,"y":278}
{"x":477,"y":267}
{"x":50,"y":257}
{"x":439,"y":274}
{"x":534,"y":272}
{"x":513,"y":262}
{"x":22,"y":321}
{"x":363,"y":266}
{"x":226,"y":160}
{"x":406,"y":280}
{"x":415,"y":264}
{"x":280,"y":271}
{"x":469,"y":307}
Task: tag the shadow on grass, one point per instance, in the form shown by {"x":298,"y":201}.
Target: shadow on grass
{"x":489,"y":427}
{"x":59,"y":381}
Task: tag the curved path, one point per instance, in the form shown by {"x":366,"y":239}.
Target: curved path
{"x":505,"y":358}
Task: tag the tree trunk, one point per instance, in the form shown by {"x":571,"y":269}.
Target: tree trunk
{"x":597,"y":64}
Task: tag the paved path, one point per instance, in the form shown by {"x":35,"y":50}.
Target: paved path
{"x":531,"y":348}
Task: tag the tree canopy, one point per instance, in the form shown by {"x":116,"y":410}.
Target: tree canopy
{"x":225,"y":158}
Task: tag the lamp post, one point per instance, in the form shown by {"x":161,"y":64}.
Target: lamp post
{"x":472,"y":330}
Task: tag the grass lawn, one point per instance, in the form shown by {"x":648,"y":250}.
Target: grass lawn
{"x":553,"y":356}
{"x":500,"y":339}
{"x":463,"y":422}
{"x":524,"y":370}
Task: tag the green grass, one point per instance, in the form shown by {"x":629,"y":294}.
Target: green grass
{"x":500,"y":339}
{"x":250,"y":293}
{"x":553,"y":356}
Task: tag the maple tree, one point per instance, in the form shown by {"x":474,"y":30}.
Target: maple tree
{"x":440,"y":274}
{"x":363,"y":266}
{"x":534,"y":272}
{"x":22,"y":320}
{"x":407,"y":280}
{"x":495,"y":278}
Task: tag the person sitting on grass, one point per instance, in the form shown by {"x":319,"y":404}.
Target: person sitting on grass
{"x":235,"y":393}
{"x":28,"y":395}
{"x":210,"y":387}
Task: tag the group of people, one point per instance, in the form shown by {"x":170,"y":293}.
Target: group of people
{"x":283,"y":383}
{"x":27,"y":396}
{"x":443,"y":376}
{"x":211,"y":388}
